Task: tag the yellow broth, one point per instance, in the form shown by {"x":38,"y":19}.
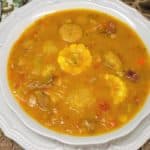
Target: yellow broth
{"x":79,"y":72}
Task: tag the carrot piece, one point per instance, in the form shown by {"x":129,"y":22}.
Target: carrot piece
{"x":141,"y":61}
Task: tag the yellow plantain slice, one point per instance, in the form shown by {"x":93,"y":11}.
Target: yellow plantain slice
{"x":118,"y":88}
{"x":112,"y":61}
{"x":74,"y":59}
{"x":70,"y":32}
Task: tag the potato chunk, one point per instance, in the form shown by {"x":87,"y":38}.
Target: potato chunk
{"x":74,"y":59}
{"x":79,"y":98}
{"x":117,"y":87}
{"x":32,"y":101}
{"x":49,"y":48}
{"x":48,"y":71}
{"x":70,"y":32}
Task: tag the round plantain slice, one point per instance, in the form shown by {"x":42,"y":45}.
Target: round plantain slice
{"x":112,"y":61}
{"x":70,"y":32}
{"x":74,"y":59}
{"x":117,"y":87}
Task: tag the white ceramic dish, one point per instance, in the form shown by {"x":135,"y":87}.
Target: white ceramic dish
{"x":114,"y":8}
{"x":16,"y":130}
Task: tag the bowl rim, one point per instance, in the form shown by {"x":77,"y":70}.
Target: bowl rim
{"x":75,"y":140}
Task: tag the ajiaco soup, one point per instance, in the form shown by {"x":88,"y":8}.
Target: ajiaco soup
{"x":79,"y":72}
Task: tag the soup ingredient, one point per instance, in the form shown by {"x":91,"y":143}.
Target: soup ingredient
{"x":79,"y":98}
{"x":32,"y":101}
{"x":43,"y":101}
{"x":74,"y":59}
{"x":104,"y":106}
{"x":117,"y":87}
{"x":48,"y":72}
{"x":112,"y":61}
{"x":89,"y":125}
{"x":34,"y":85}
{"x":141,"y":61}
{"x":49,"y":48}
{"x":131,"y":75}
{"x":70,"y":32}
{"x":108,"y":28}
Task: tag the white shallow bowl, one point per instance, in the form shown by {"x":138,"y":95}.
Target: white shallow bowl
{"x":18,"y":24}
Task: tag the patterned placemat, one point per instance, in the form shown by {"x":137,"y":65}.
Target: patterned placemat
{"x":7,"y":6}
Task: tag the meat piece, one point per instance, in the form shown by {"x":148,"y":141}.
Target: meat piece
{"x":110,"y":28}
{"x":107,"y":28}
{"x":43,"y":101}
{"x":130,"y":74}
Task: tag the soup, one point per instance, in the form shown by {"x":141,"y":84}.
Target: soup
{"x":79,"y":72}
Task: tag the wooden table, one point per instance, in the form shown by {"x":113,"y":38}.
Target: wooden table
{"x":142,"y":5}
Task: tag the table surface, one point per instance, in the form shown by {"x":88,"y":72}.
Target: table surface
{"x":142,"y":5}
